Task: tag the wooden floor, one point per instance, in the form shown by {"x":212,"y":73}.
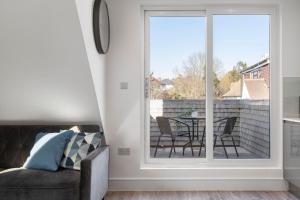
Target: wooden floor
{"x":200,"y":196}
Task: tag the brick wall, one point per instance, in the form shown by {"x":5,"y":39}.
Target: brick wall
{"x":265,"y":74}
{"x":252,"y":124}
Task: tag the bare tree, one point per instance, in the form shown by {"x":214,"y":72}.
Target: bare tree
{"x":190,"y":81}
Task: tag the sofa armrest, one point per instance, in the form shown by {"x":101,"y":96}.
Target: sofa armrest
{"x":94,"y":174}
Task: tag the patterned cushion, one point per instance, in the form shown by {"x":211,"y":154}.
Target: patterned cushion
{"x":80,"y":145}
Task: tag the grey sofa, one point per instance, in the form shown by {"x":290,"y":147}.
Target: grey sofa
{"x":91,"y":183}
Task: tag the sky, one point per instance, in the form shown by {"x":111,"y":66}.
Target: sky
{"x":235,"y":37}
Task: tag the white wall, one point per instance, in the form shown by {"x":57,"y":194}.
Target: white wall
{"x":290,"y":38}
{"x":44,"y":70}
{"x":124,"y":116}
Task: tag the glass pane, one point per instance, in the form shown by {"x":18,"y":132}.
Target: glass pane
{"x":177,"y":86}
{"x":241,"y":86}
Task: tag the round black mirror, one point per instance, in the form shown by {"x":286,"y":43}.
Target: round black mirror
{"x":101,"y":26}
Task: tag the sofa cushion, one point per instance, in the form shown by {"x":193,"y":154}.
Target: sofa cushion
{"x":80,"y":145}
{"x":15,"y":146}
{"x":19,"y":183}
{"x":47,"y":152}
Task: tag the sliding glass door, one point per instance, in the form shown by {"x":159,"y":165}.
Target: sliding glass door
{"x":207,"y":85}
{"x":177,"y":65}
{"x":241,"y":103}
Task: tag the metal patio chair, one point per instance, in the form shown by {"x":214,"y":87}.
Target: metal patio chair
{"x":228,"y":124}
{"x":202,"y":140}
{"x":166,"y":131}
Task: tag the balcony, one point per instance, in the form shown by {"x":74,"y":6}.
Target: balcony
{"x":251,"y":129}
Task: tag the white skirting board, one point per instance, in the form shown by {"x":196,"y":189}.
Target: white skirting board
{"x":198,"y":185}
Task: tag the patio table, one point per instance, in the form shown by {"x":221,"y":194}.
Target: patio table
{"x":195,"y":122}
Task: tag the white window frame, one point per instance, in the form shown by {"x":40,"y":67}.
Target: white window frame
{"x":255,"y":74}
{"x":275,"y":160}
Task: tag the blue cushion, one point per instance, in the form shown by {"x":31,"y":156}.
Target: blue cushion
{"x":48,"y":150}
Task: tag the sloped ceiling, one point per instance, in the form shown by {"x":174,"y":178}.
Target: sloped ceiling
{"x":44,"y":70}
{"x":97,"y":62}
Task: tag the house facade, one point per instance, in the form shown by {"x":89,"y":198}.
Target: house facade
{"x":254,"y":84}
{"x":260,"y":70}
